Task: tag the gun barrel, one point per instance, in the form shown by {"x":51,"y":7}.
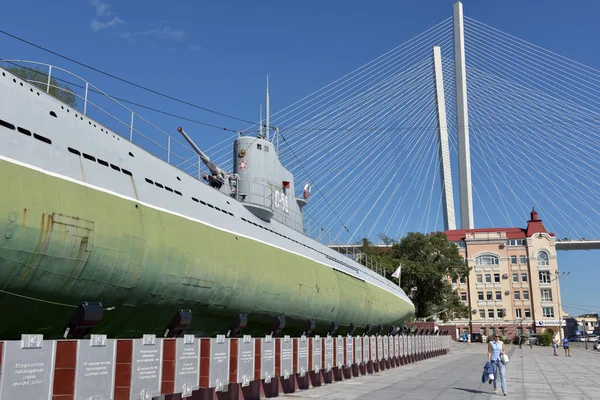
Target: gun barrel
{"x":205,"y":159}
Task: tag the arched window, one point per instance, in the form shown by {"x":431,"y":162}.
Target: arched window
{"x":486,"y":260}
{"x":542,"y":258}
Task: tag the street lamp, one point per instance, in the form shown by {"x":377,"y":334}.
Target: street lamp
{"x":558,"y":276}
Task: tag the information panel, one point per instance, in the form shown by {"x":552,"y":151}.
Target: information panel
{"x":146,"y":367}
{"x":366,"y":349}
{"x":27,"y":368}
{"x":218,"y":372}
{"x":328,"y":353}
{"x":373,"y":348}
{"x":267,"y":358}
{"x":317,"y":353}
{"x":358,"y":350}
{"x":302,"y":356}
{"x":187,"y":365}
{"x":379,"y":348}
{"x":95,"y":368}
{"x":386,"y":342}
{"x":339,"y":351}
{"x":286,"y":357}
{"x":349,"y":351}
{"x":245,"y":367}
{"x":397,"y":346}
{"x":392,"y":352}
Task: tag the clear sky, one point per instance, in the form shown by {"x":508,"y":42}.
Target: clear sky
{"x":217,"y":54}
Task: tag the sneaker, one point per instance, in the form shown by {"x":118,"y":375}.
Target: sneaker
{"x":495,"y":391}
{"x":505,"y":394}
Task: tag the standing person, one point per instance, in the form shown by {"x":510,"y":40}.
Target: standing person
{"x":555,"y":346}
{"x":565,"y":343}
{"x":495,"y":351}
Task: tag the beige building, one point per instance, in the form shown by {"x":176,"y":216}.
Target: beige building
{"x":513,"y":286}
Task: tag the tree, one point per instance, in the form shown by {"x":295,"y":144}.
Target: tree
{"x":427,"y":263}
{"x":39,"y":79}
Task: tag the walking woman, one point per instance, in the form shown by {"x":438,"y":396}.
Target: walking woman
{"x":495,"y":351}
{"x":555,"y":346}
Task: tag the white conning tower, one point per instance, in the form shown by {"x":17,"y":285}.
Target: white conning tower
{"x":265,"y":187}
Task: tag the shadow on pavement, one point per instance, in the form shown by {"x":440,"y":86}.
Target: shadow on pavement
{"x":475,"y":391}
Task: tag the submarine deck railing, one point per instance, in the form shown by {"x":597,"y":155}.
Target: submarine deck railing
{"x":179,"y":159}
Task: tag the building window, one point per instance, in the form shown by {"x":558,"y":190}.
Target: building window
{"x":544,"y":276}
{"x":463,"y":296}
{"x":454,"y":281}
{"x":496,"y":278}
{"x":515,"y":278}
{"x":492,"y":331}
{"x":513,"y":260}
{"x":522,"y":260}
{"x":480,"y":296}
{"x":488,"y":278}
{"x":542,"y":258}
{"x":483,"y":331}
{"x":527,"y":313}
{"x":489,"y":296}
{"x":548,"y":312}
{"x":482,"y":314}
{"x":498,"y":295}
{"x":525,"y":294}
{"x":486,"y":260}
{"x":517,"y":295}
{"x":500,"y":313}
{"x":463,"y":279}
{"x":479,"y":278}
{"x":546,"y":294}
{"x":460,"y":244}
{"x":518,"y":313}
{"x":491,"y":314}
{"x":523,"y":277}
{"x":501,"y":331}
{"x":515,"y":242}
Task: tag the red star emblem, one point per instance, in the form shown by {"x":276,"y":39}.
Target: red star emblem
{"x":243,"y":165}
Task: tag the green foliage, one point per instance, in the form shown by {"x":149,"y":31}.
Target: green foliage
{"x":39,"y":79}
{"x":545,"y":338}
{"x":428,"y":261}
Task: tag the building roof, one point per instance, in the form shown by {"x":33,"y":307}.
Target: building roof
{"x":534,"y":225}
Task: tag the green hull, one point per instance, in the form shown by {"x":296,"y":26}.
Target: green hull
{"x":62,"y":243}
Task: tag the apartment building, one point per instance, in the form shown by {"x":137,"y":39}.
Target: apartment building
{"x":513,"y":286}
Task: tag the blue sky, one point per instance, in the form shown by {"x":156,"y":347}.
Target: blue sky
{"x":217,"y":54}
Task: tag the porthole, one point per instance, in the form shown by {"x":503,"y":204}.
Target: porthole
{"x":88,"y":157}
{"x":159,"y":185}
{"x":7,"y":125}
{"x":42,"y":138}
{"x":169,"y":189}
{"x":115,"y":167}
{"x":123,"y":170}
{"x":102,"y":162}
{"x":130,"y":154}
{"x":195,"y":199}
{"x":149,"y":181}
{"x":178,"y":192}
{"x":72,"y":150}
{"x":178,"y":178}
{"x":53,"y":114}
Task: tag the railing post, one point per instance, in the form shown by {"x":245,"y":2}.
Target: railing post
{"x":85,"y":99}
{"x":49,"y":75}
{"x":169,"y":149}
{"x":131,"y":129}
{"x":199,"y":175}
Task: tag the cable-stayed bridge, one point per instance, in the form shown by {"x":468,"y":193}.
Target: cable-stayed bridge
{"x":524,"y":124}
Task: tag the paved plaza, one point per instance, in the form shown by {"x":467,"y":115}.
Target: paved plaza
{"x":532,"y":374}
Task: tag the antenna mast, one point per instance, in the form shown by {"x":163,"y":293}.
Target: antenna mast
{"x":267,"y":127}
{"x":260,"y":127}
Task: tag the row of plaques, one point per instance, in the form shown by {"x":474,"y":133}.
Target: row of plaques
{"x":27,"y":369}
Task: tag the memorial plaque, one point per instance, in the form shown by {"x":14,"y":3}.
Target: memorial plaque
{"x":328,"y":353}
{"x":146,"y":367}
{"x":397,"y":345}
{"x":317,"y":354}
{"x":392,"y":353}
{"x":379,"y":348}
{"x":340,"y":350}
{"x":245,"y":367}
{"x":286,"y":357}
{"x":373,"y":348}
{"x":187,"y":365}
{"x":366,"y":349}
{"x":302,"y":356}
{"x":95,"y":368}
{"x":358,"y":350}
{"x":267,"y":358}
{"x":349,"y":351}
{"x":218,"y":372}
{"x":27,"y":368}
{"x":386,"y":343}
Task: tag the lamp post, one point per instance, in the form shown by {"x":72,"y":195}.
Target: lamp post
{"x":557,"y":277}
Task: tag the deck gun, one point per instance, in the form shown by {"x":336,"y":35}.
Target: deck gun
{"x":217,"y":177}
